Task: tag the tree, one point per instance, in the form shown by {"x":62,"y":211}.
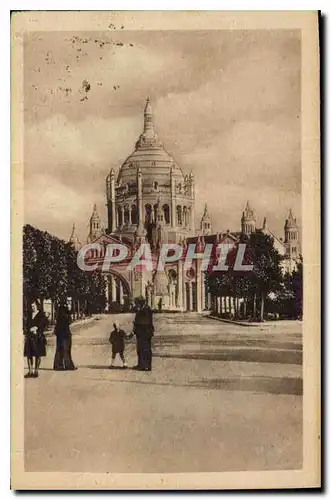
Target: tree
{"x":50,"y":271}
{"x":266,"y":275}
{"x":297,"y":280}
{"x":288,"y":302}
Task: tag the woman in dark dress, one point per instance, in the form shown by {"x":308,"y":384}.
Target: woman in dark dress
{"x":62,"y":360}
{"x":34,"y":339}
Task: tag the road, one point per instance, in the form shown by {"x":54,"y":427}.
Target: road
{"x":220,"y":397}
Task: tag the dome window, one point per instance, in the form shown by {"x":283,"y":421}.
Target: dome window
{"x":179,"y":215}
{"x":166,"y":212}
{"x":134,"y":214}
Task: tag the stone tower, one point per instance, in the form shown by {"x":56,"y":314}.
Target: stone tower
{"x":110,"y":186}
{"x":150,"y":189}
{"x":74,"y":240}
{"x":95,"y":226}
{"x":248,"y":220}
{"x":292,"y":237}
{"x":205,"y":224}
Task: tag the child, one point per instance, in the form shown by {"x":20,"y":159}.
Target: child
{"x":116,"y":339}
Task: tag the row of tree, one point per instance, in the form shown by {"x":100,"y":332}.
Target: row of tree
{"x":265,"y":290}
{"x":50,"y":272}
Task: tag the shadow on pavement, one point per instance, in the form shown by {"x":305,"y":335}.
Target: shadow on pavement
{"x":245,"y":355}
{"x":267,"y":385}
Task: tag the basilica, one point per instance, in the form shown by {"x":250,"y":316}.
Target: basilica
{"x":150,"y":200}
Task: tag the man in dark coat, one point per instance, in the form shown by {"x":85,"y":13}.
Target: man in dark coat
{"x":143,"y":329}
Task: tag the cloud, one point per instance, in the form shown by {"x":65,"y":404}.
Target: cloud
{"x":226,"y":104}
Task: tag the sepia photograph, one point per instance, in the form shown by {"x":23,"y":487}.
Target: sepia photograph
{"x":165,"y":179}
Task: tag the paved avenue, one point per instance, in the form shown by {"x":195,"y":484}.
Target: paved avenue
{"x":220,"y":398}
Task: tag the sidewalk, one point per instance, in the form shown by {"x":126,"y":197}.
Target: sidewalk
{"x":208,"y":404}
{"x":255,"y":323}
{"x":74,"y":325}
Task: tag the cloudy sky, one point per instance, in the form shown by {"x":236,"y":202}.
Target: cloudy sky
{"x":226,"y":106}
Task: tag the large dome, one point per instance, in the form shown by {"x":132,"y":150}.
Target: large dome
{"x":155,"y":163}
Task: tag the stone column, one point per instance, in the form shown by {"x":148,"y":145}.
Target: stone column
{"x":203,"y":291}
{"x":130,"y":215}
{"x":180,"y":285}
{"x":141,"y":215}
{"x":109,"y":300}
{"x":223,"y":305}
{"x":199,"y":280}
{"x":113,"y":204}
{"x":185,"y":296}
{"x":122,"y":215}
{"x":121,"y":292}
{"x":190,"y":295}
{"x":173,"y":214}
{"x":209,"y":300}
{"x":113,"y":288}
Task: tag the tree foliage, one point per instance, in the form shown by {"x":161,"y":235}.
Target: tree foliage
{"x":255,"y":287}
{"x":50,"y":271}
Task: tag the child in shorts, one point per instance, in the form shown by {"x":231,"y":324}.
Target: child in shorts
{"x":116,"y":338}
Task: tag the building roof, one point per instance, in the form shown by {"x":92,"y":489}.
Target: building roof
{"x":212,"y":238}
{"x":155,"y":163}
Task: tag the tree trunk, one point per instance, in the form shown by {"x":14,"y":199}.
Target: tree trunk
{"x":74,"y":317}
{"x":262,"y":308}
{"x":235,"y":310}
{"x":254,"y":306}
{"x":245,"y":308}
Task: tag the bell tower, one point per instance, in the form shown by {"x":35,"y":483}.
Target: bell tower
{"x":291,"y":234}
{"x":205,"y":224}
{"x":111,"y":207}
{"x":74,"y":240}
{"x":248,"y":220}
{"x":95,"y":225}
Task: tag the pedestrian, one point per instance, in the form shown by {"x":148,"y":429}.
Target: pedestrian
{"x":116,"y":338}
{"x":62,"y":359}
{"x":34,"y":338}
{"x":143,"y":329}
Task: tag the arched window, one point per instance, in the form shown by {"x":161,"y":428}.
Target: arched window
{"x":179,"y":215}
{"x":134,"y":214}
{"x":119,"y":217}
{"x":172,"y":275}
{"x":156,"y":185}
{"x":166,"y":212}
{"x":148,"y":214}
{"x":126,"y":215}
{"x":155,"y":211}
{"x":189,"y":217}
{"x":185,"y":218}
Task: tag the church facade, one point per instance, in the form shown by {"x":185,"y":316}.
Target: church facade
{"x":150,"y":200}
